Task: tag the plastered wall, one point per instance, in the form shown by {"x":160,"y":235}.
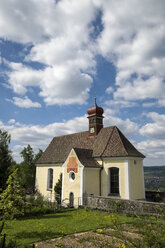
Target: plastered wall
{"x":136,"y":180}
{"x":72,"y":186}
{"x":107,"y":163}
{"x":131,"y":178}
{"x":91,"y":181}
{"x":41,"y":179}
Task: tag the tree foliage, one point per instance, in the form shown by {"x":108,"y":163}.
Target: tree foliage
{"x":11,"y":204}
{"x":27,"y":167}
{"x":5,"y":158}
{"x":11,"y":199}
{"x":38,"y":155}
{"x":58,"y":189}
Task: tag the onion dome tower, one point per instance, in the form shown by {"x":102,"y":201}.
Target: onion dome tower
{"x":95,"y":116}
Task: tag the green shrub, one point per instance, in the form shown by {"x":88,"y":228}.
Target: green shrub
{"x":35,"y":210}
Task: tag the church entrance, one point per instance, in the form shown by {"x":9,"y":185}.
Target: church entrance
{"x":71,"y":199}
{"x":114,"y":180}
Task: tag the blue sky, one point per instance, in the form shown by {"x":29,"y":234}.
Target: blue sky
{"x":55,"y":54}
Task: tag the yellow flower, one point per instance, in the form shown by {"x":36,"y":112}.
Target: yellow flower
{"x":122,"y":246}
{"x":36,"y":245}
{"x":59,"y":244}
{"x":99,"y":231}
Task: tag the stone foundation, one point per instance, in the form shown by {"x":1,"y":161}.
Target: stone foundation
{"x":127,"y":206}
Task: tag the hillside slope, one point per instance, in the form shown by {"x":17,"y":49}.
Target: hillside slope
{"x":154,"y":178}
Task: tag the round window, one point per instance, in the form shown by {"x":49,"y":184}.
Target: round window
{"x":71,"y":176}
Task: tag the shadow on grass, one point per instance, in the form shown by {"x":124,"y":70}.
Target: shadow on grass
{"x":37,"y":236}
{"x":45,"y":216}
{"x":57,"y":214}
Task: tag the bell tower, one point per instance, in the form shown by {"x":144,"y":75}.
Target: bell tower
{"x":95,"y":116}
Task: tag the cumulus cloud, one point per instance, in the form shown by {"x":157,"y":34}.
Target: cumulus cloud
{"x":128,"y":127}
{"x":22,"y":21}
{"x":25,"y":102}
{"x":109,"y":90}
{"x":59,"y":84}
{"x":120,"y":103}
{"x":39,"y":136}
{"x":154,"y":146}
{"x":62,"y":85}
{"x":155,"y":129}
{"x":61,"y":40}
{"x":154,"y":150}
{"x":61,"y":36}
{"x":20,"y":77}
{"x":140,"y":89}
{"x":133,"y":39}
{"x":11,"y":121}
{"x":161,"y":102}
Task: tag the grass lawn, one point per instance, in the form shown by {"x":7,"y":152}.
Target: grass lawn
{"x":29,"y":230}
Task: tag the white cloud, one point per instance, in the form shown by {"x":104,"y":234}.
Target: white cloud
{"x":65,"y":85}
{"x":11,"y":121}
{"x":148,"y":104}
{"x":156,"y":128}
{"x":61,"y":85}
{"x":128,"y":127}
{"x":133,"y":39}
{"x":161,"y":102}
{"x":154,"y":150}
{"x":120,"y":103}
{"x":61,"y":40}
{"x":154,"y":146}
{"x":25,"y":102}
{"x":21,"y":77}
{"x":39,"y":136}
{"x":23,"y":21}
{"x":109,"y":90}
{"x":140,"y":89}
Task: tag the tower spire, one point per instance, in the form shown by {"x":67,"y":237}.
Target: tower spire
{"x":95,"y":116}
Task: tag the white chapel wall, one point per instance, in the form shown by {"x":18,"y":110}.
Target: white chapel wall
{"x":75,"y":186}
{"x":91,"y":181}
{"x":137,"y":190}
{"x":108,"y":163}
{"x":42,"y":176}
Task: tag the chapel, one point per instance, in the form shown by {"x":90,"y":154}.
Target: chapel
{"x":100,"y":161}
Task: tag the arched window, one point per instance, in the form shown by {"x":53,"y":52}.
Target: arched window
{"x":50,"y":179}
{"x":114,"y":180}
{"x":71,"y":199}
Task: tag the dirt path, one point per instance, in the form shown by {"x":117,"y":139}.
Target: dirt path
{"x":101,"y":238}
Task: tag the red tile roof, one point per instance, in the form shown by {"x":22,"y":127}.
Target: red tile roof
{"x":109,"y":142}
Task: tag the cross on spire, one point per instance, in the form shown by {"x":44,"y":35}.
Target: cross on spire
{"x":95,"y":98}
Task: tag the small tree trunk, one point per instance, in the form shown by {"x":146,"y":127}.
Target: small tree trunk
{"x":2,"y":226}
{"x":3,"y":241}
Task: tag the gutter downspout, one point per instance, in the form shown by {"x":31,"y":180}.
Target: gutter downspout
{"x":100,"y":176}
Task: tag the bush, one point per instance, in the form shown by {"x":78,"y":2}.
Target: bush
{"x":36,"y":205}
{"x":40,"y":210}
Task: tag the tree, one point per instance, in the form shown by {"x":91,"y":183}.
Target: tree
{"x":58,"y":189}
{"x":5,"y":158}
{"x":38,"y":155}
{"x":11,"y":202}
{"x":28,"y":155}
{"x":12,"y":198}
{"x":27,"y":167}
